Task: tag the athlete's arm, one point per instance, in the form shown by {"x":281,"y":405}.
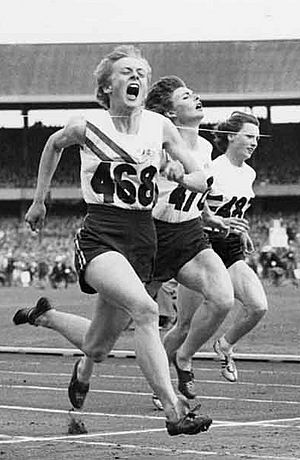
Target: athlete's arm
{"x":194,"y":178}
{"x":73,"y":133}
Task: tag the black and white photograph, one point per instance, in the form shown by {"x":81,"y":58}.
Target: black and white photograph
{"x":150,"y":230}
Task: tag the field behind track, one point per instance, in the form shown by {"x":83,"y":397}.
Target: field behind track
{"x":277,"y":333}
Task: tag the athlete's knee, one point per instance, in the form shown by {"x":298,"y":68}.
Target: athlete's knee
{"x":220,"y":290}
{"x":182,"y":326}
{"x":97,"y":354}
{"x":259,"y":309}
{"x":146,"y":312}
{"x":222,"y":298}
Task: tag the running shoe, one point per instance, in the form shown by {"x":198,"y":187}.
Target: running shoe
{"x":30,"y":314}
{"x":77,"y":391}
{"x":157,"y":402}
{"x":229,"y":370}
{"x":190,"y":423}
{"x":186,"y":381}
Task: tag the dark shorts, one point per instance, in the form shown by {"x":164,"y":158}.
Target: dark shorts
{"x":129,"y":232}
{"x":177,"y":244}
{"x":230,"y":249}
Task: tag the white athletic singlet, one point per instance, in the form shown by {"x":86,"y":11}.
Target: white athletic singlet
{"x":119,"y":169}
{"x":177,"y":204}
{"x":232,"y":189}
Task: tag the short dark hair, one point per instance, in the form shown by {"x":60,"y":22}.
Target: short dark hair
{"x":233,"y":124}
{"x":104,"y":70}
{"x":160,"y":94}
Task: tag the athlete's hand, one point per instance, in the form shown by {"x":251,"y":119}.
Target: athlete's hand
{"x":237,"y":224}
{"x":35,"y":216}
{"x":216,"y":222}
{"x":247,"y":243}
{"x":174,"y":171}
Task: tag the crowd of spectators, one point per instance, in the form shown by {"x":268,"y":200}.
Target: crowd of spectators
{"x":50,"y":251}
{"x":19,"y":165}
{"x":28,"y":258}
{"x":277,"y":159}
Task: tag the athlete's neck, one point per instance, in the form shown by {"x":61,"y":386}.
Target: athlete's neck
{"x":190,"y":135}
{"x":126,"y":120}
{"x":234,"y":158}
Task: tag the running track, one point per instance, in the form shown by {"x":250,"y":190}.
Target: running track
{"x":257,"y":418}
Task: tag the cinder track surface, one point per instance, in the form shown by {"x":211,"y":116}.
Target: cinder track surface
{"x":257,"y":418}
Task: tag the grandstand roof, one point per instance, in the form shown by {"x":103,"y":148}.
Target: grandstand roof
{"x":225,"y":73}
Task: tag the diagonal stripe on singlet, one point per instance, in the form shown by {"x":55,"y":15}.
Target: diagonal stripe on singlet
{"x":90,"y":144}
{"x":110,"y":143}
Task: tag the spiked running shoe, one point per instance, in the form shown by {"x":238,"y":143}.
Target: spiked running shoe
{"x":186,"y":383}
{"x":157,"y":402}
{"x":189,"y":424}
{"x":229,"y":370}
{"x":77,"y":391}
{"x":30,"y":314}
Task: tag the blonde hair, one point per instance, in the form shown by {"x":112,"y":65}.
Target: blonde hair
{"x":104,"y":70}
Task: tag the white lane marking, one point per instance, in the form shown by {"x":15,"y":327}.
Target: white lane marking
{"x":19,"y":439}
{"x":196,"y":369}
{"x":64,"y":411}
{"x":133,"y":377}
{"x":132,"y":393}
{"x":85,"y":439}
{"x":216,"y":423}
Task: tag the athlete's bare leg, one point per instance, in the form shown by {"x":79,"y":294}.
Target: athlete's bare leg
{"x":205,"y":274}
{"x":250,"y":292}
{"x":188,"y":302}
{"x":112,"y":276}
{"x":74,"y":328}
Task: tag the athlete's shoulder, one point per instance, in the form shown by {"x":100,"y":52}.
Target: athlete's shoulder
{"x":205,"y":147}
{"x":98,"y":117}
{"x":205,"y":143}
{"x":219,"y":160}
{"x":73,"y":131}
{"x":76,"y":122}
{"x":153,"y":115}
{"x":250,"y":171}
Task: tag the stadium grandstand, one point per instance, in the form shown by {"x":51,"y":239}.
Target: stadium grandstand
{"x":226,"y":74}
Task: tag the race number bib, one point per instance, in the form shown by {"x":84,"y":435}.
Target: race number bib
{"x":236,"y":207}
{"x":111,"y":181}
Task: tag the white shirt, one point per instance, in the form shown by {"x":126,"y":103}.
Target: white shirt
{"x":119,"y":169}
{"x":232,"y":190}
{"x":177,"y":204}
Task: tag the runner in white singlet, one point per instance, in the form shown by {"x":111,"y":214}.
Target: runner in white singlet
{"x":116,"y":245}
{"x":184,"y":253}
{"x":230,"y":198}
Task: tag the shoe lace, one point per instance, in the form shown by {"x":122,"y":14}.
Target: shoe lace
{"x":189,"y":385}
{"x":228,"y":363}
{"x":188,"y":376}
{"x":192,"y":414}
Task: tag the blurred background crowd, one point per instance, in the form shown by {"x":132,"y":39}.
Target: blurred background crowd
{"x":276,"y":160}
{"x":47,"y":258}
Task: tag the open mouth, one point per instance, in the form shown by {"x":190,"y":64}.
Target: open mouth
{"x":199,"y":106}
{"x":132,"y":91}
